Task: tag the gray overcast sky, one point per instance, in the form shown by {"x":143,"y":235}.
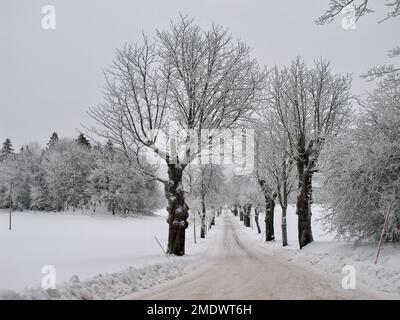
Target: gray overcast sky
{"x":49,"y":78}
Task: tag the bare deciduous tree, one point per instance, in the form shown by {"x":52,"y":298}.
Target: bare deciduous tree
{"x":312,"y":104}
{"x":194,"y":78}
{"x":266,"y":186}
{"x":276,"y":165}
{"x":207,"y":181}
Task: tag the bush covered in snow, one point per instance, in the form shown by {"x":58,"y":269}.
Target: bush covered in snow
{"x":361,"y":171}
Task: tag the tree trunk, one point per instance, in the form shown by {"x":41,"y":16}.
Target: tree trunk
{"x":269,"y":210}
{"x":203,"y":227}
{"x":240,"y":213}
{"x":283,"y":200}
{"x":247,"y":214}
{"x":177,"y":211}
{"x":203,"y":207}
{"x":310,"y":201}
{"x":303,"y":207}
{"x":235,"y":210}
{"x":269,"y":219}
{"x":203,"y":219}
{"x":284,"y":227}
{"x":256,"y":219}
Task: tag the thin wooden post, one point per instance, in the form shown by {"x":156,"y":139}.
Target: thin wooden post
{"x":382,"y":235}
{"x":165,"y":252}
{"x":9,"y":220}
{"x":194,"y":226}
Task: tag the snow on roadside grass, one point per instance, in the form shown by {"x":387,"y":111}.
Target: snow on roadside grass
{"x":83,"y":245}
{"x":327,"y":256}
{"x":104,"y":286}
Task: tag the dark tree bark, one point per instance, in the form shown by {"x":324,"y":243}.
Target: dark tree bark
{"x":235,"y":210}
{"x":256,"y":219}
{"x":269,"y":210}
{"x":177,"y":211}
{"x":304,"y":199}
{"x":240,"y":213}
{"x":203,"y":218}
{"x":203,"y":227}
{"x":310,"y":201}
{"x":283,"y":200}
{"x":113,"y":208}
{"x":213,"y":220}
{"x":247,"y":210}
{"x":269,"y":219}
{"x":249,"y":215}
{"x":284,"y":227}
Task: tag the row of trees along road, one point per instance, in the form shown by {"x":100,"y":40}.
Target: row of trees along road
{"x":206,"y":80}
{"x":206,"y":189}
{"x":303,"y":107}
{"x":305,"y":128}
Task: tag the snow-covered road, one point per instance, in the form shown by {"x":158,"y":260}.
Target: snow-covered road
{"x":236,"y":269}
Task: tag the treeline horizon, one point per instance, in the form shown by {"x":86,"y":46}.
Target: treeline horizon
{"x":71,"y":173}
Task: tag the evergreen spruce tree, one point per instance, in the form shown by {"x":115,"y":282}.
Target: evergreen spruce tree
{"x":7,"y":149}
{"x":53,"y":139}
{"x":109,"y":146}
{"x":83,"y":141}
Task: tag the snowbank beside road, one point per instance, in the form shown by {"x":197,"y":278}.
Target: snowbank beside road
{"x":328,"y":257}
{"x":104,"y":286}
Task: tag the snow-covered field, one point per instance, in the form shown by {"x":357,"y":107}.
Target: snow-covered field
{"x":121,"y":252}
{"x":328,"y":257}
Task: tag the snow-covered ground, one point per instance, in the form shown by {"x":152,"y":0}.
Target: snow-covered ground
{"x":103,"y":257}
{"x":328,"y":257}
{"x":97,"y":256}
